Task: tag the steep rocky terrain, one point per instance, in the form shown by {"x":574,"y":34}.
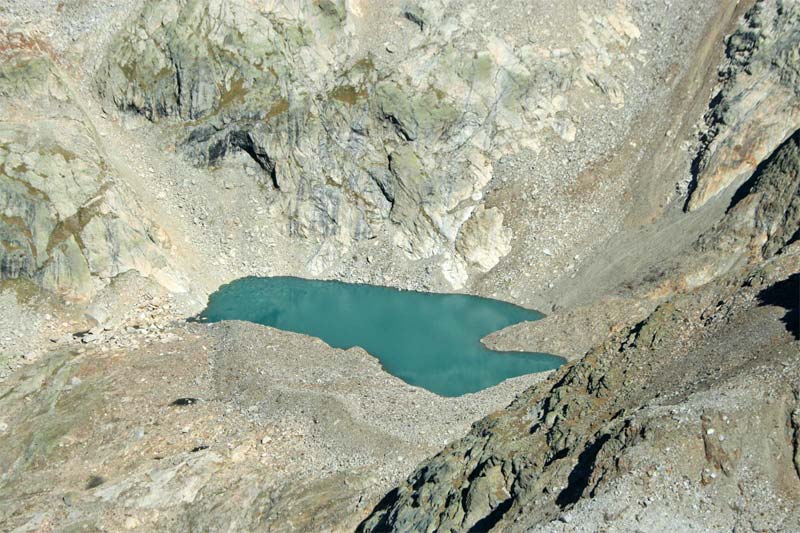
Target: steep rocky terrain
{"x":66,"y":225}
{"x":701,"y":356}
{"x":348,"y":146}
{"x":631,"y":168}
{"x":612,"y":418}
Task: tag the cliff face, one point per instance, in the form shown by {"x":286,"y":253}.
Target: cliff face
{"x":755,"y":106}
{"x":631,"y":168}
{"x":351,"y":148}
{"x":450,"y":140}
{"x":65,"y":224}
{"x":650,"y":401}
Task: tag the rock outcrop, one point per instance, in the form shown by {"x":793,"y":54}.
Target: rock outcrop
{"x":213,"y":427}
{"x":542,"y":152}
{"x":63,"y":222}
{"x":348,"y":150}
{"x":608,"y":422}
{"x":757,"y":104}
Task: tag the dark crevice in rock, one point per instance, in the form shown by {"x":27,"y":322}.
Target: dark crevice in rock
{"x":218,"y":144}
{"x":775,"y":159}
{"x":244,"y":140}
{"x":414,"y":16}
{"x":746,"y":188}
{"x":402,"y":130}
{"x":794,"y":237}
{"x":491,"y":520}
{"x":385,"y":523}
{"x":579,"y":478}
{"x":385,"y":186}
{"x":794,"y":423}
{"x":785,"y":294}
{"x":217,"y":151}
{"x":16,"y":258}
{"x":562,"y":453}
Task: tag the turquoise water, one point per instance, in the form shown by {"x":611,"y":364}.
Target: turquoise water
{"x":428,"y":340}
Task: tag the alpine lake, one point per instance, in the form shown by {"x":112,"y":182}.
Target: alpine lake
{"x":426,"y":339}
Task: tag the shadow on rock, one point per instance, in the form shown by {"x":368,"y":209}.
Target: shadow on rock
{"x":785,"y":294}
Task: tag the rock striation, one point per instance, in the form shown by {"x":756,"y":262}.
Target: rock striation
{"x":756,"y":105}
{"x":64,"y":223}
{"x":350,"y":150}
{"x":616,"y":164}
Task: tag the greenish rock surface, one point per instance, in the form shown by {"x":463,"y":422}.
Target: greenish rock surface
{"x":63,"y":223}
{"x":351,"y":150}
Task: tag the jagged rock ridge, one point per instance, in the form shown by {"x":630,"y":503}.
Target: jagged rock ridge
{"x":599,"y":424}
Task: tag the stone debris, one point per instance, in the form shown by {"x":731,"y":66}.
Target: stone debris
{"x":629,"y":168}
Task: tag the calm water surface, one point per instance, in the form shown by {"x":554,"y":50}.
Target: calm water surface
{"x":429,"y":340}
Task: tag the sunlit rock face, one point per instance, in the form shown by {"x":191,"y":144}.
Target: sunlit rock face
{"x":63,"y":222}
{"x":349,"y":150}
{"x":757,"y":104}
